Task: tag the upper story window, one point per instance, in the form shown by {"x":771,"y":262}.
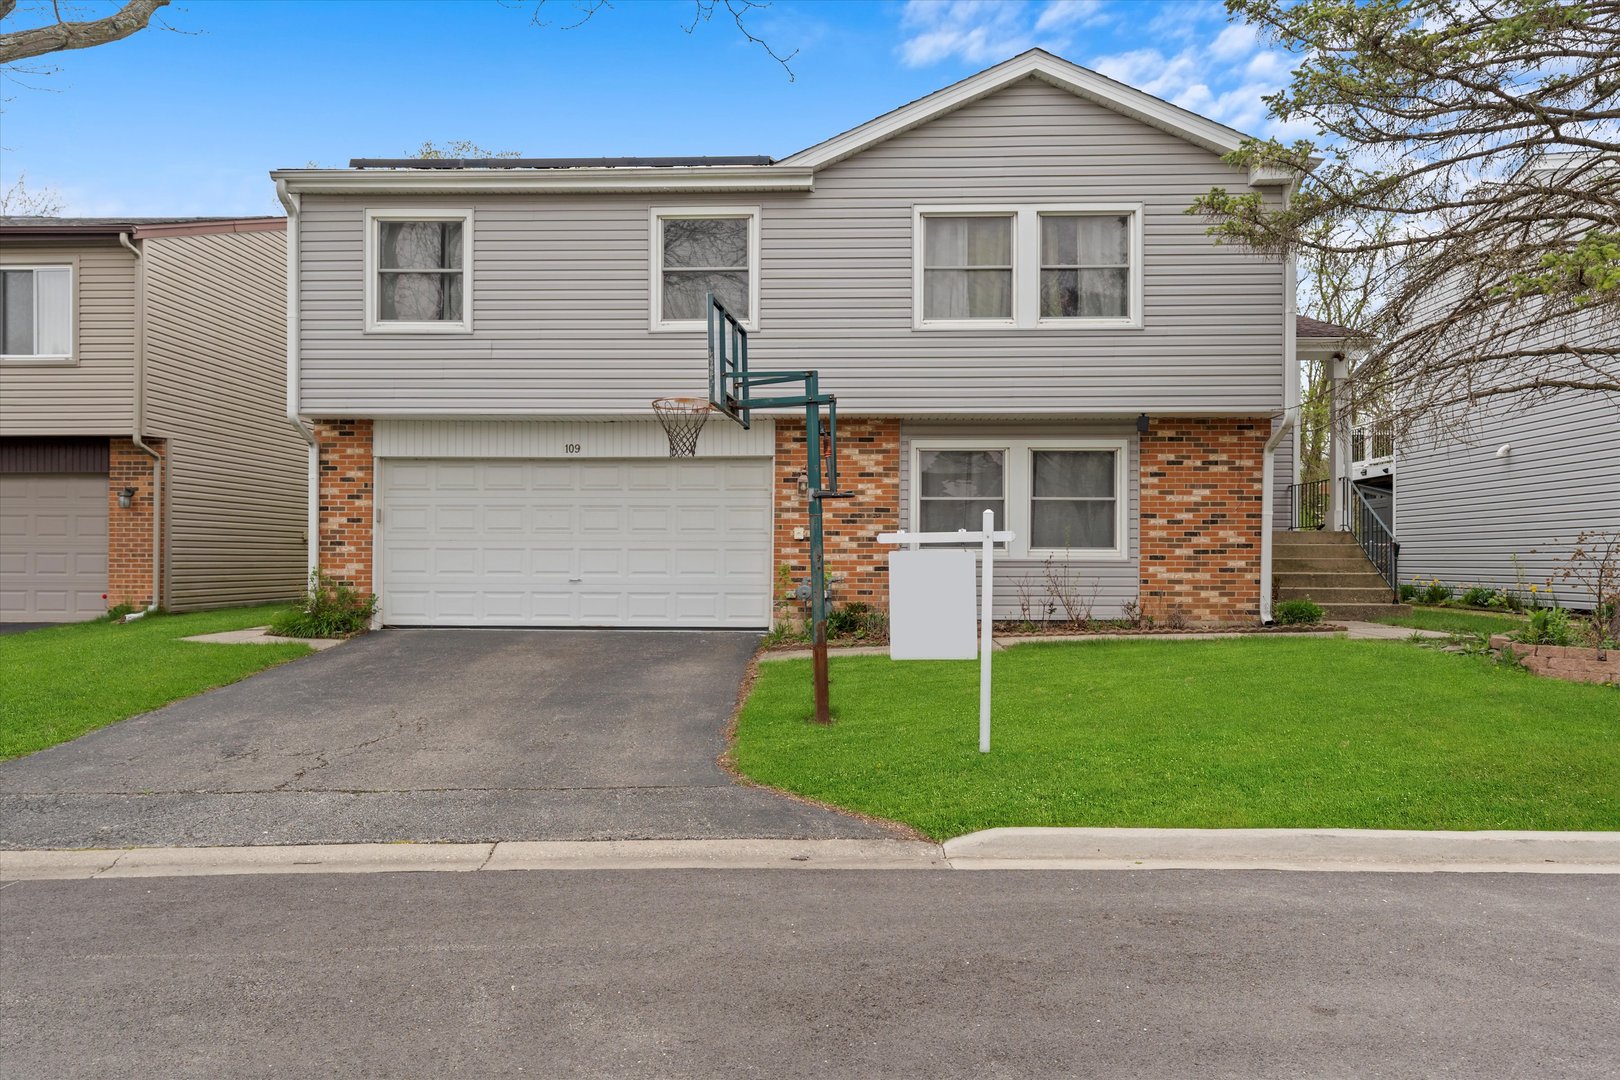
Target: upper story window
{"x":697,"y":251}
{"x":36,"y":313}
{"x":967,"y":267}
{"x":1057,"y":266}
{"x":418,"y":273}
{"x":1060,"y":497}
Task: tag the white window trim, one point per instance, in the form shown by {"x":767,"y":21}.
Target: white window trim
{"x":655,"y":233}
{"x":72,"y":357}
{"x":1026,"y":257}
{"x":1018,"y":486}
{"x":464,"y":325}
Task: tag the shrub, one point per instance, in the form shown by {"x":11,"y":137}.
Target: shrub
{"x":857,"y":620}
{"x":1297,"y":613}
{"x":1548,"y":626}
{"x":118,"y":611}
{"x":1478,"y":596}
{"x":1507,"y":601}
{"x":330,"y":608}
{"x":1409,"y":593}
{"x":1436,"y":592}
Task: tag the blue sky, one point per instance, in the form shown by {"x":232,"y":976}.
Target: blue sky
{"x":190,"y":122}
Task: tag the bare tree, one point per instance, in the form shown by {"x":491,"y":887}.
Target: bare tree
{"x":1473,"y":158}
{"x":576,"y":13}
{"x":61,"y":35}
{"x":18,"y":201}
{"x":458,"y":148}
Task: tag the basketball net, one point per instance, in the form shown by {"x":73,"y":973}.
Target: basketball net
{"x":683,"y":419}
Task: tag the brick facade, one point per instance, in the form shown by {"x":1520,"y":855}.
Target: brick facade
{"x":346,"y":500}
{"x":1201,"y":518}
{"x":130,"y":577}
{"x":868,"y":465}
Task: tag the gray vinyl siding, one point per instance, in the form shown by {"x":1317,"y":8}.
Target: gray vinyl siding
{"x":216,"y":391}
{"x":95,"y":394}
{"x":1462,"y":513}
{"x":1283,"y":476}
{"x":562,"y":288}
{"x":1115,"y":580}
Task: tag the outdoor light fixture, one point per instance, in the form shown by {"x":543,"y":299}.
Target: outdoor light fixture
{"x":1142,"y":424}
{"x":804,"y":482}
{"x":1504,"y":450}
{"x":126,"y":498}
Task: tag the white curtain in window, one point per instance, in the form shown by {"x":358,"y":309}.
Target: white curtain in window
{"x":54,"y":299}
{"x":967,"y":268}
{"x":420,"y":271}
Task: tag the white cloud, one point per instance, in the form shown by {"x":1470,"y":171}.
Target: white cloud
{"x":989,"y":31}
{"x":1235,"y":41}
{"x":1062,"y":13}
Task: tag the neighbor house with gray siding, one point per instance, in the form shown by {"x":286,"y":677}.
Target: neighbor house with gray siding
{"x":145,"y":452}
{"x":998,"y":281}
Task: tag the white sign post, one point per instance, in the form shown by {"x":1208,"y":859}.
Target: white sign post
{"x":931,"y":609}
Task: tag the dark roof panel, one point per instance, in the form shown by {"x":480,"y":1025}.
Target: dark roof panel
{"x":1307,"y":327}
{"x":555,"y":163}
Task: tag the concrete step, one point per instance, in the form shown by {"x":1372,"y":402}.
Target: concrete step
{"x":1290,"y":541}
{"x":1341,"y":595}
{"x":1363,"y":578}
{"x":1332,"y":561}
{"x":1364,"y":612}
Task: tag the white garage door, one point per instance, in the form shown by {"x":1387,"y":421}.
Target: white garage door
{"x":53,"y":547}
{"x":637,"y":543}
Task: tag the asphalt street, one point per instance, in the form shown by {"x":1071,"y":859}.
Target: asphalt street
{"x":671,"y":973}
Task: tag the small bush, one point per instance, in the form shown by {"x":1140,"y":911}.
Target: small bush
{"x":1297,"y":613}
{"x":1409,"y":593}
{"x":1507,"y":601}
{"x":857,"y":620}
{"x":1548,"y":626}
{"x":118,"y":611}
{"x":1436,"y":592}
{"x":330,"y":609}
{"x":1478,"y":596}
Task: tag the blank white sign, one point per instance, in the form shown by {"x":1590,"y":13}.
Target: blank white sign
{"x":933,"y":609}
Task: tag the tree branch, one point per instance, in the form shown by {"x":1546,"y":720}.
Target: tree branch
{"x":61,"y":36}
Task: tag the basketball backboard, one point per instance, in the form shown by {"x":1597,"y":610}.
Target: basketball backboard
{"x":728,"y":363}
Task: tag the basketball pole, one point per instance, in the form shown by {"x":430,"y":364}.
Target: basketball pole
{"x":818,"y":568}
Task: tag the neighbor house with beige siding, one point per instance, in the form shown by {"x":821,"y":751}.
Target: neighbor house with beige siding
{"x":145,"y":452}
{"x":999,"y":282}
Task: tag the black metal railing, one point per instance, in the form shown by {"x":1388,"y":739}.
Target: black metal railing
{"x":1371,"y":442}
{"x":1376,"y":541}
{"x":1310,"y":505}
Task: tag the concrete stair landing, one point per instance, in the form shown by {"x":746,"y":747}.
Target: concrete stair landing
{"x":1329,"y":568}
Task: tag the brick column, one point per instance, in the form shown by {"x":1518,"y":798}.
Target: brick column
{"x":129,"y":529}
{"x":869,"y":465}
{"x":346,"y":500}
{"x":1201,"y":522}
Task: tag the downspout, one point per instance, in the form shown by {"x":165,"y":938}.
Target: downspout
{"x":1268,"y":467}
{"x":291,"y":201}
{"x":139,"y":423}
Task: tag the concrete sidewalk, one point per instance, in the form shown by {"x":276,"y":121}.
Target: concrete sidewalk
{"x":1336,"y":850}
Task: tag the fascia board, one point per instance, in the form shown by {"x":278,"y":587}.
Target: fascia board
{"x":559,"y":181}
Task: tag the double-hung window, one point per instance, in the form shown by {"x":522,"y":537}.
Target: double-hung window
{"x":418,"y":272}
{"x":698,"y":251}
{"x":1051,"y":266}
{"x":36,"y":313}
{"x":1063,"y":497}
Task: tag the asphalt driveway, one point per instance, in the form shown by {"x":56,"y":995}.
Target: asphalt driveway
{"x":454,"y":735}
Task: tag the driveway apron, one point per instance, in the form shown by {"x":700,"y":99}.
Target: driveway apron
{"x":425,"y":735}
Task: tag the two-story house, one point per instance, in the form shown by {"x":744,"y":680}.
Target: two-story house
{"x":998,"y":281}
{"x":145,"y":452}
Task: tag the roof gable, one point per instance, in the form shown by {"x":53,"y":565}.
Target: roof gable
{"x":1039,"y":64}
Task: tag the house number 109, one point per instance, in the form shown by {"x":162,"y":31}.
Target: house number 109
{"x":571,"y":448}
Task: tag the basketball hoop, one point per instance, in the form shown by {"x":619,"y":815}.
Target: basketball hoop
{"x":683,"y":419}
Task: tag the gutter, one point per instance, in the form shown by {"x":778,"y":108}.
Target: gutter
{"x":139,"y":422}
{"x":734,"y":178}
{"x":292,"y":202}
{"x":1268,"y":465}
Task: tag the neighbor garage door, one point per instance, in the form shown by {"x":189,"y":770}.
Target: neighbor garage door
{"x":635,"y":543}
{"x":53,"y":547}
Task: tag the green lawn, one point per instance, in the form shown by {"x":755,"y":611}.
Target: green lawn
{"x":60,"y":682}
{"x":1236,"y":733}
{"x":1452,"y":621}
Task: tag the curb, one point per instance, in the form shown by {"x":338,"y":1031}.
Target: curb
{"x":1366,"y":850}
{"x":1317,"y":850}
